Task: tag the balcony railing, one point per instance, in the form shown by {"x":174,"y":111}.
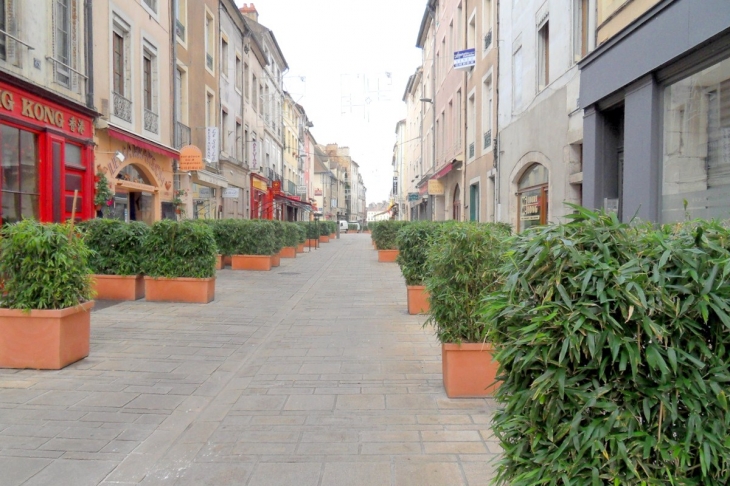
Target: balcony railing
{"x":471,"y":150}
{"x":488,"y":39}
{"x":209,"y":61}
{"x":180,"y":30}
{"x":122,"y":107}
{"x":67,"y":76}
{"x":291,"y":188}
{"x":487,"y":139}
{"x":182,"y":135}
{"x":151,"y":121}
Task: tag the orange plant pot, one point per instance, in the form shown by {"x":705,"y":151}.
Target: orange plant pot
{"x":187,"y":290}
{"x":417,"y":299}
{"x":387,"y":256}
{"x":288,"y":252}
{"x":227,"y":260}
{"x":333,"y":236}
{"x":276,"y":260}
{"x":469,"y":370}
{"x":300,"y":248}
{"x":259,"y":263}
{"x":219,"y":262}
{"x":118,"y":287}
{"x":324,"y":239}
{"x":312,"y":243}
{"x":44,"y":339}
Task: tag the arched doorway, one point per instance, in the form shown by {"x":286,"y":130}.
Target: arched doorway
{"x":456,"y":205}
{"x":134,"y":198}
{"x":532,"y":200}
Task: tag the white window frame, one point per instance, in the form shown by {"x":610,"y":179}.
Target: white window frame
{"x":543,"y":55}
{"x":239,"y":72}
{"x":224,"y":64}
{"x":151,"y":50}
{"x":184,"y":107}
{"x":182,"y":12}
{"x":152,"y":9}
{"x":210,"y":40}
{"x":122,"y":25}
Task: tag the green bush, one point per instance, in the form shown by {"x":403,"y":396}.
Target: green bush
{"x":324,"y":228}
{"x":116,"y":246}
{"x":292,"y":234}
{"x":255,"y":237}
{"x":180,"y":249}
{"x":44,"y":266}
{"x":413,"y":241}
{"x":352,"y":227}
{"x":385,"y":233}
{"x":301,"y":233}
{"x":311,"y":229}
{"x":614,"y":347}
{"x":463,"y":265}
{"x":280,"y":232}
{"x":224,"y":232}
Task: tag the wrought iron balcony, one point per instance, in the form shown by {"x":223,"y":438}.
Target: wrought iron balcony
{"x":487,"y":138}
{"x":151,"y":121}
{"x":488,"y":39}
{"x":182,"y":135}
{"x":122,"y":107}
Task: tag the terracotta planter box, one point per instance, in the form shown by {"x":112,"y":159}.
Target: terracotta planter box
{"x":44,"y":339}
{"x":333,"y":236}
{"x":227,"y":260}
{"x":417,"y":299}
{"x":300,"y":248}
{"x":387,"y":256}
{"x":260,"y":263}
{"x":288,"y":252}
{"x":324,"y":239}
{"x":312,"y":243}
{"x":468,"y":370}
{"x":275,"y":260}
{"x":219,"y":262}
{"x":187,"y":290}
{"x":118,"y":287}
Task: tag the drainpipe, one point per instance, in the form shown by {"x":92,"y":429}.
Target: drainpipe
{"x":175,"y":107}
{"x":89,"y":34}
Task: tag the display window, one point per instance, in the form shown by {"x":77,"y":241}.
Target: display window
{"x":532,"y":197}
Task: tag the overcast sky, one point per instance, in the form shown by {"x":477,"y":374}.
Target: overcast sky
{"x":355,"y":58}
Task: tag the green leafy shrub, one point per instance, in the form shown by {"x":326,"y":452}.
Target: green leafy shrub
{"x":280,"y":233}
{"x":413,"y":241}
{"x":117,"y":247}
{"x":352,"y":226}
{"x":301,"y":233}
{"x":255,"y":237}
{"x":292,"y":234}
{"x":179,"y":249}
{"x":44,"y":266}
{"x":463,"y":265}
{"x":311,"y":229}
{"x":385,"y":234}
{"x":224,"y":233}
{"x":614,"y":347}
{"x":324,"y":228}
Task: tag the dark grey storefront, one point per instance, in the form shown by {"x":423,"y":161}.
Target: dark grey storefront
{"x":656,"y":129}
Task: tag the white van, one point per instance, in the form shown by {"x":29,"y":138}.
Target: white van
{"x":343,"y":226}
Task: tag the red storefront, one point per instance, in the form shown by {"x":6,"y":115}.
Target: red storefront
{"x":46,"y":154}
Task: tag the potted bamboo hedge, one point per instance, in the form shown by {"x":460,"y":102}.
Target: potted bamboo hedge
{"x":116,"y":257}
{"x":291,"y":240}
{"x":311,"y":229}
{"x":179,"y":262}
{"x":301,"y":237}
{"x":280,"y":239}
{"x":413,"y":241}
{"x":45,"y":308}
{"x":613,"y":347}
{"x":463,"y":265}
{"x":384,"y":237}
{"x":324,"y":231}
{"x":255,"y":243}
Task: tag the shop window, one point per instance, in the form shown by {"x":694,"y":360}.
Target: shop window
{"x":132,"y":174}
{"x":696,"y":158}
{"x":532,"y":202}
{"x":19,"y":176}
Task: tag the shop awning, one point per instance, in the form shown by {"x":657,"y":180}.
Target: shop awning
{"x":445,"y":170}
{"x":138,"y":141}
{"x":293,"y":202}
{"x":205,"y":178}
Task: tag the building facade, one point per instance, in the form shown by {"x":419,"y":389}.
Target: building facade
{"x":656,"y":95}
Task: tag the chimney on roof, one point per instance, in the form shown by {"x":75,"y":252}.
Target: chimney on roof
{"x":250,"y":11}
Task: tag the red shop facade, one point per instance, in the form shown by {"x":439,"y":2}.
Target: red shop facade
{"x":46,"y":156}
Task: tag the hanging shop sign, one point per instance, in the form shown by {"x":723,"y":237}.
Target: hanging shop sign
{"x":211,"y":144}
{"x":465,"y":59}
{"x":260,"y":185}
{"x":191,"y":159}
{"x":413,"y":196}
{"x":435,"y":187}
{"x":231,"y":192}
{"x":301,"y":190}
{"x":318,"y":192}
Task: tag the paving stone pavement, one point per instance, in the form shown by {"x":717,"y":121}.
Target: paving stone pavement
{"x":311,"y":374}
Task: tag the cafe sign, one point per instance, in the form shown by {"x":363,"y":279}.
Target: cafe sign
{"x":435,"y":187}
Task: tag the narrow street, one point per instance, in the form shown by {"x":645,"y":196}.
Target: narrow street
{"x":311,"y":374}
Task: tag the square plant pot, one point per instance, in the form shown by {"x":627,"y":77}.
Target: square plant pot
{"x":219,"y":262}
{"x":387,"y":256}
{"x":288,"y":252}
{"x":312,"y":242}
{"x":324,"y":239}
{"x":469,"y":370}
{"x":276,"y":260}
{"x":186,"y":290}
{"x":227,"y":260}
{"x":258,"y":263}
{"x":44,"y":339}
{"x":333,"y":236}
{"x":118,"y":287}
{"x":417,"y":299}
{"x":300,"y":248}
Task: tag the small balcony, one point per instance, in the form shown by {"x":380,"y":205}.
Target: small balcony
{"x":122,"y":107}
{"x":182,"y":135}
{"x":151,"y":121}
